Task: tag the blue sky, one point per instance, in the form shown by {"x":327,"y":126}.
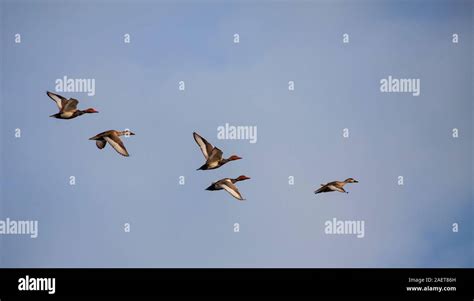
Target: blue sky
{"x":299,"y":133}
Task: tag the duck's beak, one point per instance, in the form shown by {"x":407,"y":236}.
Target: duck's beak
{"x":209,"y":188}
{"x":132,"y":133}
{"x":355,"y":181}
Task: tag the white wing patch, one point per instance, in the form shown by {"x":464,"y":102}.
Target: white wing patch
{"x":202,"y":145}
{"x":232,"y":189}
{"x":57,"y":99}
{"x":117,"y":146}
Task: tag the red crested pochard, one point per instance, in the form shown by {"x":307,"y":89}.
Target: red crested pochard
{"x":113,"y":138}
{"x":228,"y":185}
{"x":335,"y":186}
{"x":212,"y":154}
{"x":68,"y":107}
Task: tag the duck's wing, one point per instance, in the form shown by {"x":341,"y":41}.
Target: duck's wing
{"x":232,"y":189}
{"x":58,"y":99}
{"x":115,"y":141}
{"x":70,"y":105}
{"x":336,"y":188}
{"x":215,"y":155}
{"x":102,"y":135}
{"x":100,"y":143}
{"x":205,"y":146}
{"x":323,"y":188}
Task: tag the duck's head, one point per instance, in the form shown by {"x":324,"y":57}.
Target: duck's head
{"x":351,"y":180}
{"x":91,"y":110}
{"x":242,"y":178}
{"x":127,"y":133}
{"x":234,"y":157}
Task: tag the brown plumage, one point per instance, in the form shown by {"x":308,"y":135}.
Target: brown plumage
{"x":228,"y":185}
{"x":212,"y":154}
{"x":68,"y":107}
{"x":335,"y":186}
{"x":113,"y":138}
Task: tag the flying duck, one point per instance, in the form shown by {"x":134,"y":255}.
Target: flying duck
{"x":68,"y":107}
{"x":335,"y":186}
{"x":228,"y":185}
{"x":212,"y":154}
{"x":113,"y":138}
